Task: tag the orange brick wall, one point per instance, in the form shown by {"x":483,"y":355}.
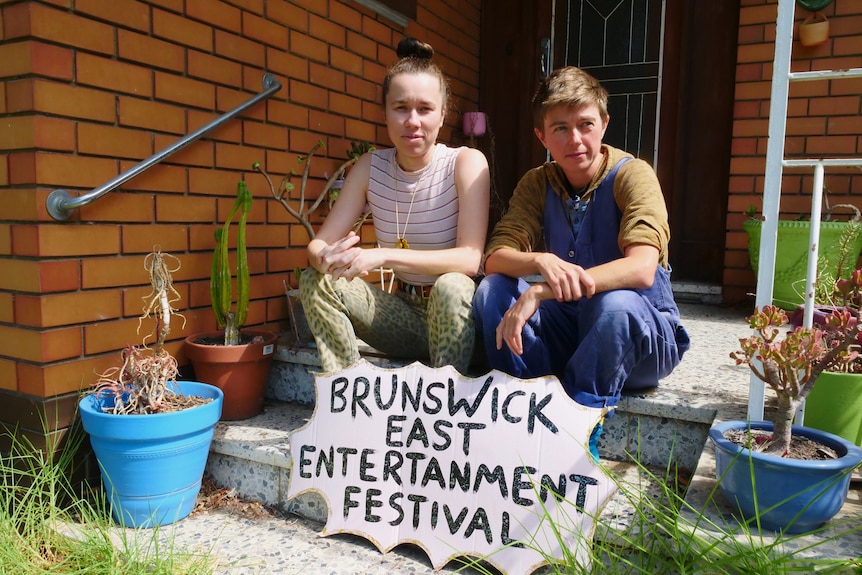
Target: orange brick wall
{"x":824,"y":120}
{"x":88,"y":88}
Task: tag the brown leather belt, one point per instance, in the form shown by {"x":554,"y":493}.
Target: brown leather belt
{"x":410,"y":289}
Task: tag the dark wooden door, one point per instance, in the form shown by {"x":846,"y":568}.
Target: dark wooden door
{"x":669,"y":68}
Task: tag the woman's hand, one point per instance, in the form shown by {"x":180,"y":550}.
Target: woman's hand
{"x":337,"y":257}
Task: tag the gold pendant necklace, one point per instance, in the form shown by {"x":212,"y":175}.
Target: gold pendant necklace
{"x":402,"y":242}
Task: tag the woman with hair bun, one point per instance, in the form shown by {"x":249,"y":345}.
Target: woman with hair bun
{"x":429,"y":204}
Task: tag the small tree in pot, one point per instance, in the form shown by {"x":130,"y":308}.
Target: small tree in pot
{"x":756,"y":461}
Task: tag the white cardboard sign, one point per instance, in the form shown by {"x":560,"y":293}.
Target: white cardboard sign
{"x":458,"y":466}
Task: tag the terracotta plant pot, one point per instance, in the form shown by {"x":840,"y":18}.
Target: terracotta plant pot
{"x":814,"y":30}
{"x":240,"y":371}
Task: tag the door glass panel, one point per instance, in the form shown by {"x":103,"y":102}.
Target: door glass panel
{"x":619,"y":42}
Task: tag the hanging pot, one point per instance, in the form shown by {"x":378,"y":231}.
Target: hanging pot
{"x":814,"y":30}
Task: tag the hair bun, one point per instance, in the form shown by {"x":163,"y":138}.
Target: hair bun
{"x":413,"y":48}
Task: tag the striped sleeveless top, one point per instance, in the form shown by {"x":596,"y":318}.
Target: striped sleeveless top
{"x":426,"y":202}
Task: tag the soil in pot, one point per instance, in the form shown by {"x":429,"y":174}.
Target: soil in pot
{"x":801,"y":447}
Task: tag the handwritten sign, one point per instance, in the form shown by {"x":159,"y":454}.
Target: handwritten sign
{"x":459,"y":466}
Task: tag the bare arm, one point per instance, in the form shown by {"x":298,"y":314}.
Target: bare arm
{"x":343,"y":259}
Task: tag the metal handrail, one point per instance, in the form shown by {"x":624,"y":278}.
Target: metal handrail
{"x":61,"y":203}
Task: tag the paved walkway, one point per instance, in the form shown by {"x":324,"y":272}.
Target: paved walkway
{"x":707,"y":381}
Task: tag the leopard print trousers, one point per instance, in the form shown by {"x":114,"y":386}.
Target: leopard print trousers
{"x":438,"y":329}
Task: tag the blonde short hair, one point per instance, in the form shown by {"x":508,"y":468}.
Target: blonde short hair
{"x":570,"y":87}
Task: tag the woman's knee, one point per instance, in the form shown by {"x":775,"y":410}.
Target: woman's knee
{"x":454,"y":289}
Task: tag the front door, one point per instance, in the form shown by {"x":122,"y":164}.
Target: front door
{"x":669,"y":68}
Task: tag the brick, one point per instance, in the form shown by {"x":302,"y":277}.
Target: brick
{"x":60,"y":27}
{"x":3,"y":98}
{"x":267,"y":236}
{"x":327,"y":77}
{"x":345,"y":105}
{"x":346,"y":61}
{"x":215,"y":12}
{"x":29,"y":57}
{"x":213,"y":182}
{"x":182,"y":30}
{"x":361,"y":46}
{"x":844,"y":125}
{"x":264,"y":135}
{"x":360,"y":131}
{"x":4,"y":171}
{"x":286,"y":64}
{"x":101,"y":140}
{"x":6,"y":308}
{"x":228,"y":99}
{"x":156,"y":116}
{"x":377,"y":31}
{"x":240,"y":49}
{"x":184,"y":209}
{"x":847,"y":45}
{"x":41,"y":346}
{"x":73,"y":171}
{"x":213,"y":68}
{"x":329,"y":32}
{"x":126,"y":13}
{"x":287,"y":13}
{"x":118,"y":206}
{"x":145,"y":49}
{"x":287,"y":114}
{"x":264,"y":31}
{"x":25,"y":132}
{"x":159,"y":178}
{"x":312,"y":96}
{"x":63,"y":377}
{"x":60,"y":99}
{"x":227,"y":132}
{"x":65,"y":240}
{"x":346,"y":16}
{"x":141,"y":239}
{"x":831,"y":145}
{"x":307,"y":47}
{"x":184,"y":91}
{"x":173,"y":5}
{"x":835,"y":106}
{"x":364,"y":89}
{"x":326,"y":123}
{"x":236,"y":157}
{"x":116,"y":76}
{"x":39,"y":277}
{"x":66,"y":309}
{"x":199,"y":153}
{"x":113,"y":271}
{"x":5,"y":239}
{"x":103,"y":337}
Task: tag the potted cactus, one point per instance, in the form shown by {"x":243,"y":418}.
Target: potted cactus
{"x":150,"y":433}
{"x":783,"y":476}
{"x":236,"y":360}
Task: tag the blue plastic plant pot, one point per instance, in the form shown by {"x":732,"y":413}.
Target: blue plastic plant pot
{"x":152,"y":465}
{"x":790,"y":495}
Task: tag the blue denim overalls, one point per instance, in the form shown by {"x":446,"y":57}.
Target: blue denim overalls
{"x":628,"y":338}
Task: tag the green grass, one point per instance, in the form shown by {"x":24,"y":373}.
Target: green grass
{"x":48,"y":525}
{"x":667,"y":536}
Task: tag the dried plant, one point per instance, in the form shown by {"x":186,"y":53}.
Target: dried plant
{"x":142,"y":384}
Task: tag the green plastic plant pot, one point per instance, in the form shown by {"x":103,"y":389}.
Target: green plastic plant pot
{"x":835,"y":405}
{"x":791,"y":256}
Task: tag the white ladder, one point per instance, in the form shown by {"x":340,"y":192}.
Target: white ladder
{"x":775,"y":162}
